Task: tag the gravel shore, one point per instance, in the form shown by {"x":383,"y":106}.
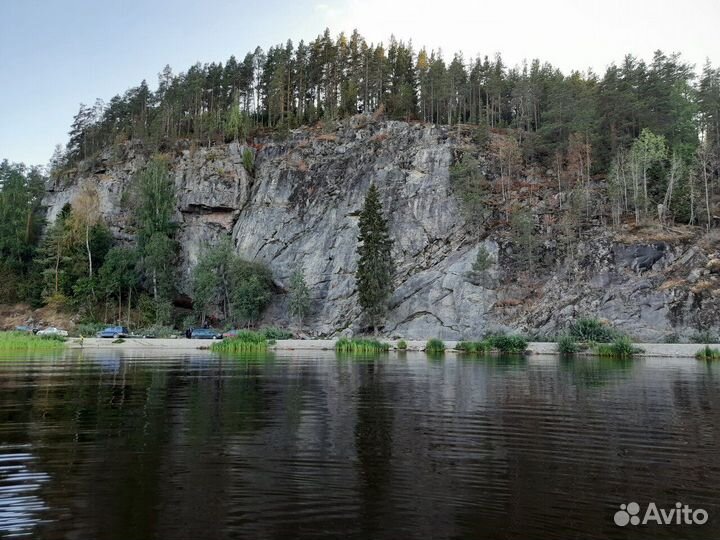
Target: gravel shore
{"x":663,"y":350}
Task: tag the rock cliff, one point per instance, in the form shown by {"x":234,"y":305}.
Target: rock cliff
{"x":300,"y":206}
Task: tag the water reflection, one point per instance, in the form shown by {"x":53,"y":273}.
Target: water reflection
{"x":20,"y":504}
{"x":505,"y":362}
{"x":596,"y":371}
{"x":374,"y":448}
{"x":389,"y":446}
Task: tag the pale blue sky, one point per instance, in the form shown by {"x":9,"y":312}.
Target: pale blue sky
{"x":56,"y":54}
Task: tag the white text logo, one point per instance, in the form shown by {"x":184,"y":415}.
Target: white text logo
{"x":680,"y":514}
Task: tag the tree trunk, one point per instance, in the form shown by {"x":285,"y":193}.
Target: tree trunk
{"x":57,"y":269}
{"x":707,"y":197}
{"x":692,"y":199}
{"x":558,"y":166}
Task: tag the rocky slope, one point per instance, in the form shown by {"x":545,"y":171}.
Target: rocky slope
{"x":300,"y":208}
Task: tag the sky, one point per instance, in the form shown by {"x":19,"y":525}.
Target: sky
{"x":56,"y":54}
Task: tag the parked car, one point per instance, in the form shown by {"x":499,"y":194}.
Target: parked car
{"x":52,"y":331}
{"x":205,"y":333}
{"x":25,"y":328}
{"x":114,"y":332}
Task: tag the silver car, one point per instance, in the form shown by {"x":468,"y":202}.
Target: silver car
{"x":52,"y":331}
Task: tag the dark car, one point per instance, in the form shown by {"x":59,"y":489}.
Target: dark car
{"x":114,"y":332}
{"x":205,"y":333}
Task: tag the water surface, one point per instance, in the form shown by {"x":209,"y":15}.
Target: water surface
{"x":112,"y":446}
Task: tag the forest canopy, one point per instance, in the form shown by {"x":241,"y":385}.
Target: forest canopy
{"x":331,"y":78}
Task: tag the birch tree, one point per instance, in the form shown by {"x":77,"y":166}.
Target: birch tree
{"x":85,"y":215}
{"x":647,"y":150}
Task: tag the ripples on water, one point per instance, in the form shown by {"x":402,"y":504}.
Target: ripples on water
{"x":20,"y":506}
{"x":308,"y":446}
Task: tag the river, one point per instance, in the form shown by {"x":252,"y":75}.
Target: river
{"x":114,"y":445}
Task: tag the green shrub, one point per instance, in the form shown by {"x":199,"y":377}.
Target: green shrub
{"x":360,"y":345}
{"x":567,"y":344}
{"x":483,"y":260}
{"x":592,"y":330}
{"x":473,"y":346}
{"x":499,"y":342}
{"x":621,"y":347}
{"x":508,"y":344}
{"x":402,"y":345}
{"x":708,"y":353}
{"x":244,"y":341}
{"x":471,"y":187}
{"x":251,"y":285}
{"x":22,"y":341}
{"x":248,"y":161}
{"x":435,"y":345}
{"x":466,"y":346}
{"x":272,"y":332}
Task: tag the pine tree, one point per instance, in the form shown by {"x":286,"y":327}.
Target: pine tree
{"x":375,"y":265}
{"x":483,"y":260}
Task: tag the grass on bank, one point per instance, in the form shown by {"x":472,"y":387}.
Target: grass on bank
{"x":593,"y":330}
{"x":360,"y":345}
{"x":621,"y":347}
{"x":21,"y":341}
{"x":435,"y":345}
{"x":244,"y":341}
{"x":500,"y":343}
{"x":567,"y":344}
{"x":708,"y":353}
{"x":597,"y":336}
{"x":473,"y":347}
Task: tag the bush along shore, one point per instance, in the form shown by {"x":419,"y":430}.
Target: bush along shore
{"x":21,"y":341}
{"x":708,"y":353}
{"x":587,"y":337}
{"x":495,"y":343}
{"x":244,"y":341}
{"x":361,"y":346}
{"x":593,"y":337}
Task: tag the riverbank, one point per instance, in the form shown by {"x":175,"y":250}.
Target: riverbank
{"x":650,"y":350}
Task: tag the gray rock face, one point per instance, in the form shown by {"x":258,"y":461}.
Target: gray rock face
{"x":640,"y":257}
{"x":300,"y":210}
